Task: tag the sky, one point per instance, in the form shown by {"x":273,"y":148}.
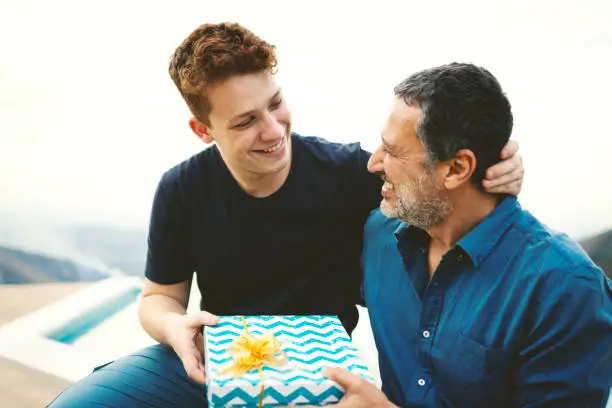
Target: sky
{"x":89,"y":118}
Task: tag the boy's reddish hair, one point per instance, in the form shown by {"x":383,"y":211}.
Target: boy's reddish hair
{"x":212,"y":53}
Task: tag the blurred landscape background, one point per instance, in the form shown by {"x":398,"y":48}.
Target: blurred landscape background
{"x":94,"y":253}
{"x":83,"y":253}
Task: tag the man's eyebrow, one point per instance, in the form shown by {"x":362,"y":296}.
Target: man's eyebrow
{"x":252,"y":111}
{"x":387,"y":146}
{"x":276,"y":95}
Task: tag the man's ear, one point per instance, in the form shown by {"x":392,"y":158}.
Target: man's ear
{"x":201,"y":130}
{"x":460,"y":168}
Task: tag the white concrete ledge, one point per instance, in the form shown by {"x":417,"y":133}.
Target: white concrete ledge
{"x":25,"y":339}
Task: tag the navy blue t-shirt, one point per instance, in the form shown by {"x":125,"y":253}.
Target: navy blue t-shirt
{"x":296,"y":251}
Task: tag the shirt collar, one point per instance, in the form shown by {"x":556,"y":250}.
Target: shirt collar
{"x":479,"y":242}
{"x":400,"y":229}
{"x":412,"y":236}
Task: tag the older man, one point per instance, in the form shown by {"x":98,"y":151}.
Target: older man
{"x":473,"y":302}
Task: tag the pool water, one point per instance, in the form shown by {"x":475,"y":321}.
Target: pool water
{"x":78,"y":327}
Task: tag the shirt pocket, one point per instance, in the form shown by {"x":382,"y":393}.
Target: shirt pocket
{"x":477,"y":375}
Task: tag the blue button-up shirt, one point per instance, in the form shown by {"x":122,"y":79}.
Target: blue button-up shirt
{"x":514,"y":316}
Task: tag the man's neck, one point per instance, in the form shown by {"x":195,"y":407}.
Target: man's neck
{"x":470,"y":208}
{"x":261,"y":185}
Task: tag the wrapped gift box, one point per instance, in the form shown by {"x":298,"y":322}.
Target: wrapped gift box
{"x":308,"y":343}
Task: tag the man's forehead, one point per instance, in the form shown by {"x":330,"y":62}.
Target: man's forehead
{"x":242,"y":93}
{"x":402,"y":124}
{"x":405,"y":114}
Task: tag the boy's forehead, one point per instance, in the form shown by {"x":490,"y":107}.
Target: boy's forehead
{"x":242,"y":93}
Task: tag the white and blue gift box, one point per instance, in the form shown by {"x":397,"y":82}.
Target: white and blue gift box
{"x":310,"y":344}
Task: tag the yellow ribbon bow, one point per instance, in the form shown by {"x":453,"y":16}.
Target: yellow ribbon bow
{"x":250,"y":352}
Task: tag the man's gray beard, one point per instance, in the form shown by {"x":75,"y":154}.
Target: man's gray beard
{"x":424,"y":212}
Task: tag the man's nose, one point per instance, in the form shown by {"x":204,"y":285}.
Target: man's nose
{"x":375,"y":163}
{"x":272,"y":128}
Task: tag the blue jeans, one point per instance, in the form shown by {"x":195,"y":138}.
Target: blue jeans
{"x":151,"y":377}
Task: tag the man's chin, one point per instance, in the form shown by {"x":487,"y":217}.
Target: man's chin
{"x":388,"y":209}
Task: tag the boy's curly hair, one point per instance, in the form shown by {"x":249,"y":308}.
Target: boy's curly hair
{"x":214,"y":52}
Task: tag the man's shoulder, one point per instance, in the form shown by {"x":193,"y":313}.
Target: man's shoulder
{"x":191,"y":169}
{"x":327,"y":152}
{"x":553,"y":254}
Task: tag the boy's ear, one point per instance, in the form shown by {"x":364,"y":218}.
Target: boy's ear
{"x":201,"y":130}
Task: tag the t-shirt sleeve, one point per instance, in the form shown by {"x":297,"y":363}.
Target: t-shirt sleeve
{"x":367,"y":184}
{"x":367,"y":193}
{"x":167,"y":261}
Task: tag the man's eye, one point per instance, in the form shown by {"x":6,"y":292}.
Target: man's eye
{"x":276,"y":104}
{"x":244,"y":123}
{"x":388,"y":152}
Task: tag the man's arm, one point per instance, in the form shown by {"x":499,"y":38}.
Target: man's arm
{"x":167,"y":274}
{"x":167,"y":284}
{"x":160,"y":303}
{"x":567,"y":359}
{"x":506,"y":176}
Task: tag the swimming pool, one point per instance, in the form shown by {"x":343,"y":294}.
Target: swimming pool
{"x":74,"y":329}
{"x":70,"y":337}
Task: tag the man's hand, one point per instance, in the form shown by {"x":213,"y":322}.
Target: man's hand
{"x":184,"y":335}
{"x":506,"y":177}
{"x":359,"y":393}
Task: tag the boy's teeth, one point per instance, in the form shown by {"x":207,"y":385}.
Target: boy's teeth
{"x":274,"y":148}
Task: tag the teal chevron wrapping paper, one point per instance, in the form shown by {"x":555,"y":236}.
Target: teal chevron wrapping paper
{"x":311,"y":343}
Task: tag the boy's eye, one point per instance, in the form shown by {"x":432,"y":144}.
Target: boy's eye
{"x":244,"y":123}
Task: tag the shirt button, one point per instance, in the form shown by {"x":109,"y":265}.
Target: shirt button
{"x":421,"y":382}
{"x":460,"y":257}
{"x":426,"y":334}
